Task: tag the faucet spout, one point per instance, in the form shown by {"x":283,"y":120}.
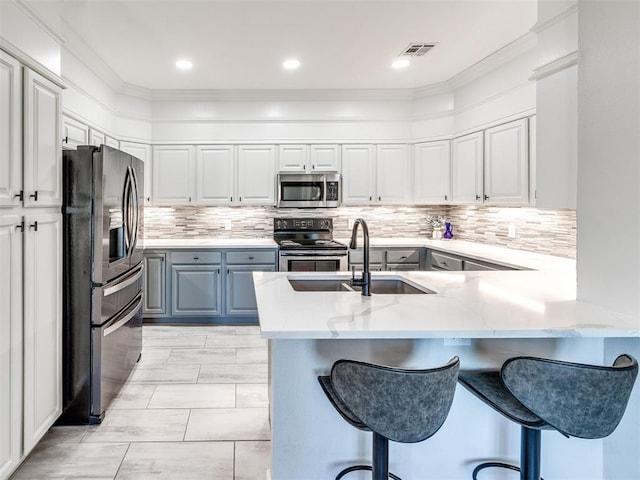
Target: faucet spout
{"x":365,"y":281}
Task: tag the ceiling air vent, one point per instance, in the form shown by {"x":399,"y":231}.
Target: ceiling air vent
{"x":417,"y":49}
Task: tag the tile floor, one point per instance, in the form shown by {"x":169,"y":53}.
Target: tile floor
{"x":194,"y":408}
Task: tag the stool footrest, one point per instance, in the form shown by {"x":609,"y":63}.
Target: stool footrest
{"x":482,"y":466}
{"x":362,"y":467}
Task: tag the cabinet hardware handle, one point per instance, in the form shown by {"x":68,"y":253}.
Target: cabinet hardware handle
{"x":34,"y":196}
{"x":370,"y":198}
{"x":189,"y":199}
{"x":486,"y":197}
{"x":313,"y":167}
{"x":65,"y":140}
{"x":231,"y":199}
{"x":240,"y":198}
{"x":196,"y":258}
{"x":228,"y":271}
{"x":20,"y":195}
{"x":21,"y":226}
{"x":445,"y":197}
{"x":477,"y":197}
{"x":34,"y":225}
{"x":148,"y":199}
{"x":379,"y":198}
{"x":250,"y":258}
{"x":218,"y":271}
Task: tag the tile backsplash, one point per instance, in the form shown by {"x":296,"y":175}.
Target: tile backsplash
{"x":545,"y":231}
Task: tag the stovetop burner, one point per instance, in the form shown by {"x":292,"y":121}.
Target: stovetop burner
{"x":305,"y":233}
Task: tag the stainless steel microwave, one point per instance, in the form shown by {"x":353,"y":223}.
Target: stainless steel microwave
{"x":310,"y":190}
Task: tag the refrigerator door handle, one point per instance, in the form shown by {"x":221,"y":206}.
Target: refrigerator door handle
{"x":126,"y":207}
{"x":136,"y":206}
{"x":118,"y":323}
{"x":124,"y":283}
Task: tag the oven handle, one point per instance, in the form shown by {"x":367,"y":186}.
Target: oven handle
{"x":314,"y":256}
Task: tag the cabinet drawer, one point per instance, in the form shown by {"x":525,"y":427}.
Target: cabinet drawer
{"x":357,"y":256}
{"x":403,"y":267}
{"x":196,"y":257}
{"x":445,"y":262}
{"x":403,"y":256}
{"x":469,"y":265}
{"x":253,"y":257}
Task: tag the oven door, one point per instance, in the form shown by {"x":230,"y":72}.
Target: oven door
{"x":309,"y":261}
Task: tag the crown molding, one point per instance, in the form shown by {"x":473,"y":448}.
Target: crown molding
{"x":544,"y":25}
{"x":555,"y":66}
{"x":30,"y":62}
{"x":38,"y":20}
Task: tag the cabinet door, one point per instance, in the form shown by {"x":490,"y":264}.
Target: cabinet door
{"x":466,"y":169}
{"x":293,"y":158}
{"x":42,"y":149}
{"x":532,"y":159}
{"x":172,"y":171}
{"x":392,"y":185}
{"x":155,"y":288}
{"x":42,"y":325}
{"x":358,"y":174}
{"x":10,"y":343}
{"x":256,"y":175}
{"x":241,"y":294}
{"x":214,"y":175}
{"x":74,"y":133}
{"x":196,"y":290}
{"x":506,"y":163}
{"x":432,"y":162}
{"x":10,"y":131}
{"x":143,"y":152}
{"x":96,"y":138}
{"x":324,"y":158}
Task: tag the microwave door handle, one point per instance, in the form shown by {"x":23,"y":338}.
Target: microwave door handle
{"x":324,"y":191}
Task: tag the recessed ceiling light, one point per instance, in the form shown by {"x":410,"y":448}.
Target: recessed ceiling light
{"x":184,"y":64}
{"x":291,"y":64}
{"x":400,"y":63}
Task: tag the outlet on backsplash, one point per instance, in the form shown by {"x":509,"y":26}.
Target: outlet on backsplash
{"x":511,"y":232}
{"x":227,"y":224}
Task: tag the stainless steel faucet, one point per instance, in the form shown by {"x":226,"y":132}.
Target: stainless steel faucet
{"x":365,"y":281}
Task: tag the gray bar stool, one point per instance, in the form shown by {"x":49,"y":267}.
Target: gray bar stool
{"x":584,"y":401}
{"x":395,"y":404}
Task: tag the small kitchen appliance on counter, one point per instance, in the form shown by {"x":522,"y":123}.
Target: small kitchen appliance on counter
{"x":307,"y":245}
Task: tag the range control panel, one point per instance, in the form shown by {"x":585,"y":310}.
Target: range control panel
{"x":302,"y":224}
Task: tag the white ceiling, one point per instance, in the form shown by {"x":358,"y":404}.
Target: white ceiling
{"x":241,"y":44}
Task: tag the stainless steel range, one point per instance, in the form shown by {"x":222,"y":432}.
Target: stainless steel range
{"x":307,"y":245}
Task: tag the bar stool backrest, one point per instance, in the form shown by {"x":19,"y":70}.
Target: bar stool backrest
{"x":584,"y":401}
{"x":402,"y":405}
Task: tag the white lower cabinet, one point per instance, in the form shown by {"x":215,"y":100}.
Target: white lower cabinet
{"x":10,"y":343}
{"x":42,"y":325}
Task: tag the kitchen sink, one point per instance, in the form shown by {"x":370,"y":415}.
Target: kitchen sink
{"x":379,"y":285}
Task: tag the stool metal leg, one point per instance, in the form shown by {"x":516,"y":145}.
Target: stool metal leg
{"x":362,"y":467}
{"x":380,"y":457}
{"x":530,"y":454}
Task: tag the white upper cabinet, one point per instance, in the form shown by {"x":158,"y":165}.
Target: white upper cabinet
{"x":10,"y":132}
{"x":42,"y":149}
{"x":392,"y":182}
{"x":172,"y":174}
{"x":143,"y":152}
{"x":112,"y":142}
{"x":215,"y":180}
{"x":96,"y":138}
{"x":42,"y":325}
{"x":308,"y":158}
{"x":293,"y":158}
{"x":467,"y":169}
{"x":358,"y":174}
{"x":256,"y":175}
{"x":324,"y":158}
{"x":75,"y":133}
{"x":432,"y":164}
{"x":506,"y":164}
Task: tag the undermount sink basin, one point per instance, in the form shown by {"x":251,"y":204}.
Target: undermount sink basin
{"x":379,"y":285}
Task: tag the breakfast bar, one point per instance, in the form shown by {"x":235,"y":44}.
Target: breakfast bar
{"x":482,"y":317}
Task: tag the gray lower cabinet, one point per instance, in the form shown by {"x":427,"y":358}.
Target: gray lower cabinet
{"x":196,"y":288}
{"x":388,"y":259}
{"x":241,"y":295}
{"x":437,"y":260}
{"x":155,"y":291}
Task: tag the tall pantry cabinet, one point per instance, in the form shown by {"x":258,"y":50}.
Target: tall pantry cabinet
{"x":30,"y":260}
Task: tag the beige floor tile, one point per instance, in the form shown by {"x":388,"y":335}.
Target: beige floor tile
{"x":194,"y":341}
{"x":200,"y":356}
{"x":184,"y":330}
{"x":251,"y":395}
{"x":132,"y":396}
{"x":65,"y":434}
{"x":235,"y":341}
{"x":165,"y":374}
{"x":228,"y":424}
{"x":252,"y":355}
{"x":162,"y":425}
{"x":233,"y":373}
{"x":248,"y":330}
{"x":179,"y":461}
{"x":72,"y":461}
{"x":155,"y":356}
{"x":194,"y":396}
{"x":252,"y":460}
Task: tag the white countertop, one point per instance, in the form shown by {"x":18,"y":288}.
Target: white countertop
{"x":473,"y":304}
{"x":204,"y":242}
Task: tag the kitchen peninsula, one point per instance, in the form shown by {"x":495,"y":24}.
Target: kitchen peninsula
{"x":483,"y":317}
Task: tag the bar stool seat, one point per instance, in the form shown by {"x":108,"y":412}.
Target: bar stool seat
{"x":577,"y":400}
{"x":395,"y":404}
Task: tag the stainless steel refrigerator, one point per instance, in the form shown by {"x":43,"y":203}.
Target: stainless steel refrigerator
{"x":102,"y":320}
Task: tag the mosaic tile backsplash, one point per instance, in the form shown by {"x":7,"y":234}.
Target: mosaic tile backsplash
{"x":545,"y":231}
